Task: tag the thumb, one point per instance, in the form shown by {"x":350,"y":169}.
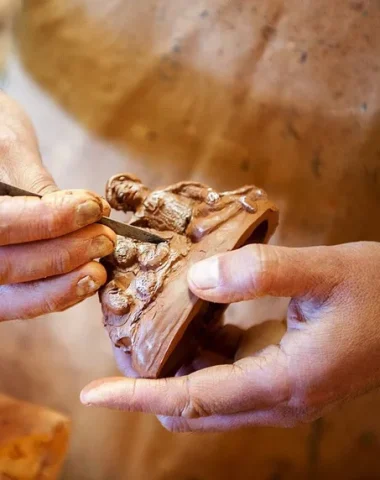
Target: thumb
{"x":260,"y":270}
{"x":20,"y":160}
{"x":35,"y":178}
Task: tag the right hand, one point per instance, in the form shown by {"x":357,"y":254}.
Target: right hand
{"x":47,"y":246}
{"x":329,"y":354}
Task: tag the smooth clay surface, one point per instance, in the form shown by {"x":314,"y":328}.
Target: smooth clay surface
{"x":149,"y":311}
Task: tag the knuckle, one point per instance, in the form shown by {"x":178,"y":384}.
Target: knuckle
{"x":134,"y":399}
{"x":50,"y":305}
{"x":4,"y":315}
{"x":288,"y":393}
{"x":54,"y":303}
{"x":62,"y":208}
{"x":5,"y":267}
{"x":4,"y":221}
{"x":64,"y":261}
{"x":54,"y":220}
{"x":194,"y":407}
{"x":175,"y":424}
{"x":264,"y":263}
{"x":41,"y":184}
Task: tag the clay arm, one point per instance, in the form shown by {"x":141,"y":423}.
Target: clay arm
{"x":204,"y":224}
{"x":248,"y":190}
{"x":193,"y":190}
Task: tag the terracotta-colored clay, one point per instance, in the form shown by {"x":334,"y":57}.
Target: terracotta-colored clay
{"x":148,"y":309}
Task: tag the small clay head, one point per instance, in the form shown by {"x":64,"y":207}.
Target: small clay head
{"x":126,"y":192}
{"x":125,"y":253}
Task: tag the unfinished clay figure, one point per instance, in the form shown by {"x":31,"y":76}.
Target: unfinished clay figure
{"x":148,"y":309}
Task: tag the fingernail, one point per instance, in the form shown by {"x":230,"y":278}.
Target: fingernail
{"x":88,"y":212}
{"x":86,"y":399}
{"x":87,"y":285}
{"x":103,"y":392}
{"x":106,"y":207}
{"x":101,"y":246}
{"x":92,"y":395}
{"x":205,"y":274}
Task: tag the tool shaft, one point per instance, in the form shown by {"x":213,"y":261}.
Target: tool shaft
{"x":119,"y":228}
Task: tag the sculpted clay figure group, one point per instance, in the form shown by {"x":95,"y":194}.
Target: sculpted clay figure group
{"x":148,"y":309}
{"x":186,"y":208}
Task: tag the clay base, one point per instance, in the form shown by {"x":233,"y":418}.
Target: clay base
{"x":162,"y":339}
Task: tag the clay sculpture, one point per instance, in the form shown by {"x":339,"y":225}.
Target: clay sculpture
{"x":148,"y":309}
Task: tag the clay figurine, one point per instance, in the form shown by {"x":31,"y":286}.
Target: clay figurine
{"x":148,"y":309}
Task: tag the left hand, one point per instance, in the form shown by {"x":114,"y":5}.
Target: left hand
{"x":48,"y":245}
{"x":330,"y":352}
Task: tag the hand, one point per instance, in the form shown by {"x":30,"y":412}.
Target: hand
{"x":46,"y":246}
{"x":330,"y":352}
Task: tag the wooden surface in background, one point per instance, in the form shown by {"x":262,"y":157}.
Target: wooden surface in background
{"x":33,"y":441}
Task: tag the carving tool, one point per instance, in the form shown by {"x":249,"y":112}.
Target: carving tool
{"x":119,"y":228}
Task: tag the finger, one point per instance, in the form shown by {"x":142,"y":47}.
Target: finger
{"x":253,"y":383}
{"x":27,"y":219}
{"x":205,"y":359}
{"x":225,"y":423}
{"x":124,"y":362}
{"x":223,"y":340}
{"x":30,"y":300}
{"x":106,"y":207}
{"x":259,"y":270}
{"x":36,"y":260}
{"x":21,"y":166}
{"x":20,"y":160}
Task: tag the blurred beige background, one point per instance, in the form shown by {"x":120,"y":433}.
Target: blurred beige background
{"x":283,"y":94}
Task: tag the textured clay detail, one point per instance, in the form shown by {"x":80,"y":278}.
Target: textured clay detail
{"x":148,"y":309}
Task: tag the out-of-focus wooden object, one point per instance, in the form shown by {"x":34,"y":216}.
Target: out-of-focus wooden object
{"x":33,"y":441}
